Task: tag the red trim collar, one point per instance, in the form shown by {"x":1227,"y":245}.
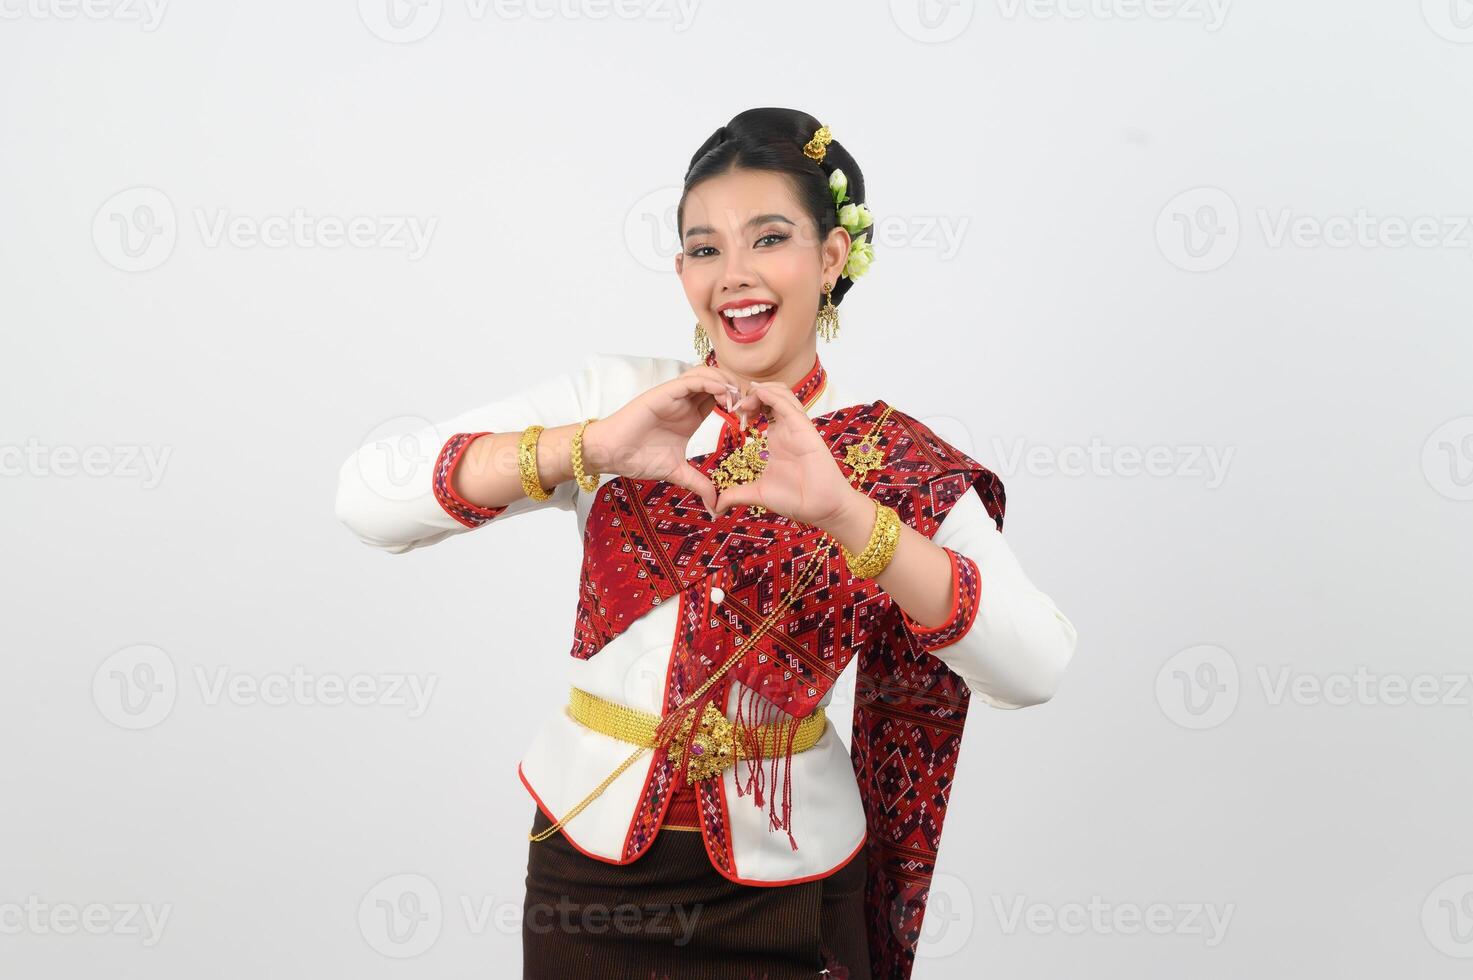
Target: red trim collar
{"x":808,"y":389}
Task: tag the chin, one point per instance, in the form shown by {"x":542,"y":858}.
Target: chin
{"x":763,"y":356}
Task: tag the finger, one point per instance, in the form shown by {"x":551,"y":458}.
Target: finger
{"x":724,"y":374}
{"x":698,"y":483}
{"x":743,"y":493}
{"x":729,"y":392}
{"x":772,"y":395}
{"x":705,"y":385}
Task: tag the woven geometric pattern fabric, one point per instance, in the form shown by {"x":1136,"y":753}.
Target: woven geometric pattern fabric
{"x":966,"y":588}
{"x":648,"y":542}
{"x":453,"y":503}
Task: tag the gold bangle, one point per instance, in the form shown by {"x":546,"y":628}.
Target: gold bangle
{"x":870,"y":562}
{"x":527,"y":463}
{"x":587,"y":483}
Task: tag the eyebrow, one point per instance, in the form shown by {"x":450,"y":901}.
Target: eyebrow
{"x":761,"y":219}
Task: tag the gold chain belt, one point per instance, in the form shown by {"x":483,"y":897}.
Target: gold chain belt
{"x":716,"y":745}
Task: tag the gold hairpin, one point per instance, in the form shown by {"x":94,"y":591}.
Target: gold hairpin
{"x":816,"y":147}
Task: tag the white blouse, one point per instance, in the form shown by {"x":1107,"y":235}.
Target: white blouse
{"x":1013,"y":654}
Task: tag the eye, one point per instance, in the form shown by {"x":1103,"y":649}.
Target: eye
{"x":699,"y":250}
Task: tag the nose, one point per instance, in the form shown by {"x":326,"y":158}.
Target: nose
{"x":736,"y":275}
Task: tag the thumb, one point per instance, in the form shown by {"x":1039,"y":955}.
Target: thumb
{"x":735,"y":497}
{"x":697,"y":482}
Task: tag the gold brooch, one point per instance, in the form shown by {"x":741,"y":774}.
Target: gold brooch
{"x":743,"y":465}
{"x":863,"y":457}
{"x":815,"y":148}
{"x":713,"y":747}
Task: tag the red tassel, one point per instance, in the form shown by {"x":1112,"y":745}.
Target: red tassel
{"x":749,"y":719}
{"x":752,"y":713}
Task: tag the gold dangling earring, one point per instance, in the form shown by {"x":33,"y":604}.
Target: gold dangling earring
{"x":828,"y":316}
{"x":702,"y":341}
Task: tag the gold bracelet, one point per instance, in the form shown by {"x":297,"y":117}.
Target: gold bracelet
{"x":527,"y":463}
{"x":870,"y":562}
{"x":587,"y":483}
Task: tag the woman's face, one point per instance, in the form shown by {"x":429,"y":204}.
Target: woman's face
{"x":748,"y":243}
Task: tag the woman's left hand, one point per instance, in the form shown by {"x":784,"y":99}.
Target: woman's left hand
{"x":801,"y":480}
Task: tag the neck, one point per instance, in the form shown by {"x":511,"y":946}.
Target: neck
{"x":789,"y":372}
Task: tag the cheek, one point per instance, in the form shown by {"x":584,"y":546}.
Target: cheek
{"x":793,"y":277}
{"x":697,"y":290}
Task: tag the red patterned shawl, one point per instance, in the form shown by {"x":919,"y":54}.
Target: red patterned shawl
{"x":647,"y":542}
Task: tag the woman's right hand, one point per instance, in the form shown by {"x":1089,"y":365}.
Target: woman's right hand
{"x":647,"y":438}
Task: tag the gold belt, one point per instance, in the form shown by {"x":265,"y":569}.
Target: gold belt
{"x":717,"y":744}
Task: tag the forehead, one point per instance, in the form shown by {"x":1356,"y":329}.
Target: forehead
{"x":728,"y":201}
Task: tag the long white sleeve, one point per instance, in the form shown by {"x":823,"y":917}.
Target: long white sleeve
{"x":386,"y":488}
{"x":1006,"y":639}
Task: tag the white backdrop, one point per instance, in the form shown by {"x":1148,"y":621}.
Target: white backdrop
{"x":1192,"y":276}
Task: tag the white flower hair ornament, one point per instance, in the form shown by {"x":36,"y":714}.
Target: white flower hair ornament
{"x":854,"y":217}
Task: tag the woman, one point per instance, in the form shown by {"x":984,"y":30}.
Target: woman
{"x":750,"y":527}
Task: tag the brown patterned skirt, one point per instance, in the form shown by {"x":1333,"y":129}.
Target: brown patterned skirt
{"x":669,"y":915}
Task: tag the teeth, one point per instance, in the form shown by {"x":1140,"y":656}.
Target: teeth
{"x":748,"y":311}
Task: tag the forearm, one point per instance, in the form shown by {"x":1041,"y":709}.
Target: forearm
{"x":918,"y":577}
{"x":488,"y":475}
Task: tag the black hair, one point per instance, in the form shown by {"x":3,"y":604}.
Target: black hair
{"x":772,"y":139}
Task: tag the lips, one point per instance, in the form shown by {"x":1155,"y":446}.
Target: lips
{"x":748,"y":329}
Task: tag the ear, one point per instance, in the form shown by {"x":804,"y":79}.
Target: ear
{"x":678,"y":263}
{"x":835,"y":254}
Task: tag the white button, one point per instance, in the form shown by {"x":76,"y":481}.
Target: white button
{"x":717,"y":595}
